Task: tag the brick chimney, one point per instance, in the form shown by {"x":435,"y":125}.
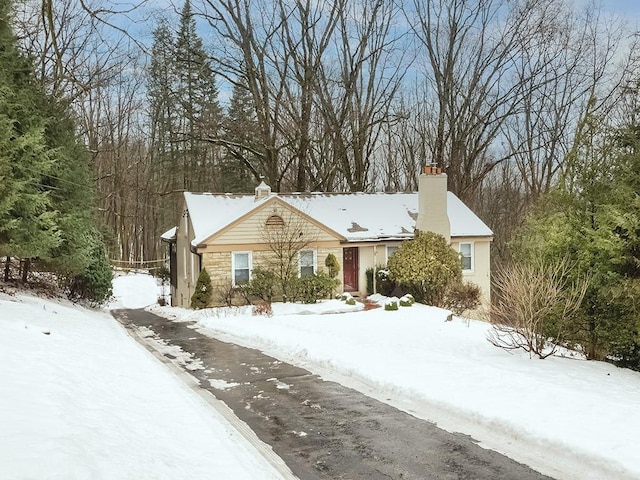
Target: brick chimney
{"x":432,"y":202}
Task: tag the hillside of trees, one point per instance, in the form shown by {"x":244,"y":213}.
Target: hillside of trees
{"x":530,"y":107}
{"x":336,"y":95}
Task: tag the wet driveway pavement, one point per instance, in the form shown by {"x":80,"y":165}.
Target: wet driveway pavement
{"x":321,"y":429}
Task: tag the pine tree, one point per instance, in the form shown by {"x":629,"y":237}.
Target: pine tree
{"x":166,"y":176}
{"x":47,"y":211}
{"x":239,"y":129}
{"x":198,"y":110}
{"x":202,"y":295}
{"x":592,"y":221}
{"x":28,"y":223}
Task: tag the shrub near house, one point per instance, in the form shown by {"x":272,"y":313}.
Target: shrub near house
{"x":430,"y":270}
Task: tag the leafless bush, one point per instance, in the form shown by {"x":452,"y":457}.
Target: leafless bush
{"x":534,"y":307}
{"x":461,"y":297}
{"x":227,"y":292}
{"x":262,"y":309}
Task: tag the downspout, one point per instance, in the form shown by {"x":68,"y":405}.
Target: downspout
{"x":375,"y":266}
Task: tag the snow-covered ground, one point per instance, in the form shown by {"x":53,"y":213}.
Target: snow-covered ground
{"x":81,"y":399}
{"x":566,"y":417}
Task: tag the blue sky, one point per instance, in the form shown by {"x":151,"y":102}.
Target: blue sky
{"x":631,"y":7}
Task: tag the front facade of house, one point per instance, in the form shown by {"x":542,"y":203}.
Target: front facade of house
{"x":230,"y":235}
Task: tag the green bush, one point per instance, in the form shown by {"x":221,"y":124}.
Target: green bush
{"x":311,"y":288}
{"x":202,"y":294}
{"x":391,"y":304}
{"x":407,"y":300}
{"x":384,"y":285}
{"x":350,"y":301}
{"x":332,"y":264}
{"x":425,"y":267}
{"x":94,"y":283}
{"x":263,"y":284}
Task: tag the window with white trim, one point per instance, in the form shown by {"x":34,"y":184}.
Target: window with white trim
{"x":240,"y":267}
{"x":466,"y":256}
{"x":307,"y":263}
{"x":391,"y":249}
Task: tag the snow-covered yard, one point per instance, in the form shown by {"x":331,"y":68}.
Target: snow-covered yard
{"x":81,"y":399}
{"x":566,"y":417}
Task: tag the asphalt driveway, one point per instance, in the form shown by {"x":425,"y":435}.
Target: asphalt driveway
{"x":321,"y":429}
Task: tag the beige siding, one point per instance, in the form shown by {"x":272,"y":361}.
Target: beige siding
{"x":480,"y":275}
{"x":481,"y":268}
{"x":188,"y":264}
{"x":251,"y":229}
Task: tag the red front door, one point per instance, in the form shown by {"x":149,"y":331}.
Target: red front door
{"x":350,"y":268}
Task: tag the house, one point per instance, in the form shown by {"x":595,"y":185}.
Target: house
{"x":231,"y":234}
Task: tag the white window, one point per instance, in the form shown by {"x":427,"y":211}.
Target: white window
{"x":391,"y":249}
{"x":241,"y":267}
{"x":307,"y":263}
{"x":466,"y":256}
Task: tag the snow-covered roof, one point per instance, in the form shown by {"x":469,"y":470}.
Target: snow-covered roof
{"x":355,"y":216}
{"x":169,"y":234}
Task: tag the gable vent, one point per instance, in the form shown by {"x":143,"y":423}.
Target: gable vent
{"x":275,"y":221}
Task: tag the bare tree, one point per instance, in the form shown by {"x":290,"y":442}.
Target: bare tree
{"x":569,"y":71}
{"x":358,"y":89}
{"x":286,"y":235}
{"x":471,"y":47}
{"x":534,"y":306}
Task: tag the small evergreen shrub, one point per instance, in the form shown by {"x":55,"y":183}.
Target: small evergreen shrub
{"x":344,"y":296}
{"x":202,"y":295}
{"x":407,"y":300}
{"x":94,"y":283}
{"x":262,"y":285}
{"x":350,"y":301}
{"x":312,"y":288}
{"x":332,"y":264}
{"x":391,"y":304}
{"x":384,"y":285}
{"x":162,"y":272}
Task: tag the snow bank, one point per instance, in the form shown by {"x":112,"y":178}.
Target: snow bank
{"x":81,"y":399}
{"x":568,"y":417}
{"x":134,"y":290}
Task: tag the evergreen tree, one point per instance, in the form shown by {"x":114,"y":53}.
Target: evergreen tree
{"x":198,"y":110}
{"x":592,"y":221}
{"x":184,"y":111}
{"x":202,"y":295}
{"x":28,"y":222}
{"x":47,"y":211}
{"x":165,"y":177}
{"x":240,"y":129}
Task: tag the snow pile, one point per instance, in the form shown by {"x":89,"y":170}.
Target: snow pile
{"x":136,"y":290}
{"x":81,"y":399}
{"x":570,"y":418}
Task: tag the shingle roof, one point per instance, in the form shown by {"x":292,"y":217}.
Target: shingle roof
{"x":356,"y":216}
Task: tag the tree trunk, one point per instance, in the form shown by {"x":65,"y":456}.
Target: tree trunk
{"x":26,"y":266}
{"x":7,"y":269}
